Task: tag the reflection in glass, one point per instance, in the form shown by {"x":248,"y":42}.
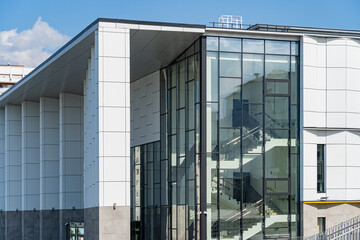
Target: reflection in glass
{"x":211,"y":127}
{"x":294,"y":77}
{"x":295,"y":48}
{"x":230,"y":103}
{"x":230,"y":65}
{"x":253,"y":67}
{"x":229,"y":147}
{"x":253,"y":46}
{"x":277,"y":67}
{"x":273,"y":87}
{"x":181,"y":84}
{"x":277,"y":47}
{"x":212,"y":76}
{"x":212,"y":43}
{"x":230,"y":44}
{"x":277,"y":112}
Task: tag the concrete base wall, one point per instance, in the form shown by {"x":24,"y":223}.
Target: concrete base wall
{"x":2,"y":225}
{"x":49,"y":224}
{"x":107,"y":223}
{"x":30,"y":225}
{"x":13,"y":225}
{"x":333,"y":213}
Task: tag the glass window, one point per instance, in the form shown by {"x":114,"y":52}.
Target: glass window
{"x":294,"y":78}
{"x":277,"y":67}
{"x":277,"y":112}
{"x":173,"y":75}
{"x":295,"y":48}
{"x":253,"y":46}
{"x":273,"y":87}
{"x":253,"y":66}
{"x":230,"y":65}
{"x":229,"y":148}
{"x":230,"y":44}
{"x":211,"y":127}
{"x":277,"y":154}
{"x":191,"y":68}
{"x":277,"y":186}
{"x":321,"y":168}
{"x":181,"y":84}
{"x":190,"y":105}
{"x":212,"y":43}
{"x":321,"y":224}
{"x":230,"y":102}
{"x":212,"y":76}
{"x":277,"y":47}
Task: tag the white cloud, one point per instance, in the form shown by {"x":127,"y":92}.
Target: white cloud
{"x":30,"y":47}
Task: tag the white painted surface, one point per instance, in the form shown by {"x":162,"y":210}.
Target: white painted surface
{"x":71,"y":151}
{"x":145,"y":109}
{"x":30,"y":115}
{"x":49,"y":153}
{"x":13,"y":166}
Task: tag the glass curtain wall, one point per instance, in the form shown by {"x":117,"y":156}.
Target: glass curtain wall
{"x":252,"y":137}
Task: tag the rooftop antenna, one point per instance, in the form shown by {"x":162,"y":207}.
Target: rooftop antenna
{"x":231,"y":21}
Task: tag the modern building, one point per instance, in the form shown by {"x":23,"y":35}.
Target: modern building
{"x":10,"y":74}
{"x":149,"y":130}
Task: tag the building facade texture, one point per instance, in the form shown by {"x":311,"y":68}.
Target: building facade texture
{"x":150,"y":130}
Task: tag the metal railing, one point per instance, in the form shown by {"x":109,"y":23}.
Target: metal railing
{"x":349,"y":229}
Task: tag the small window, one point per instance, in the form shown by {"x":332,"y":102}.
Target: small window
{"x":320,"y":168}
{"x":321,"y":224}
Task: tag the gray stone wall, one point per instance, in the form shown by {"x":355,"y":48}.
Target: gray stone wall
{"x":2,"y":225}
{"x":49,"y":224}
{"x":13,"y":226}
{"x":69,"y":215}
{"x":30,"y":225}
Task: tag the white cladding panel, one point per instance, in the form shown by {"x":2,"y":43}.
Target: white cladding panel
{"x":331,"y":94}
{"x":145,"y":109}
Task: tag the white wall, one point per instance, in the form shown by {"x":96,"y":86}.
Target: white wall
{"x":13,"y":166}
{"x":30,"y":116}
{"x":71,"y":151}
{"x":145,"y":109}
{"x":107,"y":101}
{"x":49,"y":153}
{"x":331,"y":115}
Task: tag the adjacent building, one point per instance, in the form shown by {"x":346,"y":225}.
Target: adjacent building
{"x":10,"y":74}
{"x":149,"y":130}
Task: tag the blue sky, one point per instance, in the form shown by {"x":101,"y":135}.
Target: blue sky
{"x":22,"y":20}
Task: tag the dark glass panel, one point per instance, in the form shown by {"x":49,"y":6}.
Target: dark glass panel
{"x":181,"y":84}
{"x":230,"y":102}
{"x":181,"y":132}
{"x":172,"y":111}
{"x":191,"y":68}
{"x":230,"y":65}
{"x":253,"y":78}
{"x":230,"y":44}
{"x":253,"y":46}
{"x":190,"y":105}
{"x":277,"y":47}
{"x":173,"y":76}
{"x":277,"y":67}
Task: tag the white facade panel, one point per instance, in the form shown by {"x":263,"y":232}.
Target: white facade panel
{"x":13,"y":164}
{"x":49,"y":153}
{"x":2,"y":159}
{"x":145,"y":109}
{"x":30,"y":155}
{"x":71,"y":151}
